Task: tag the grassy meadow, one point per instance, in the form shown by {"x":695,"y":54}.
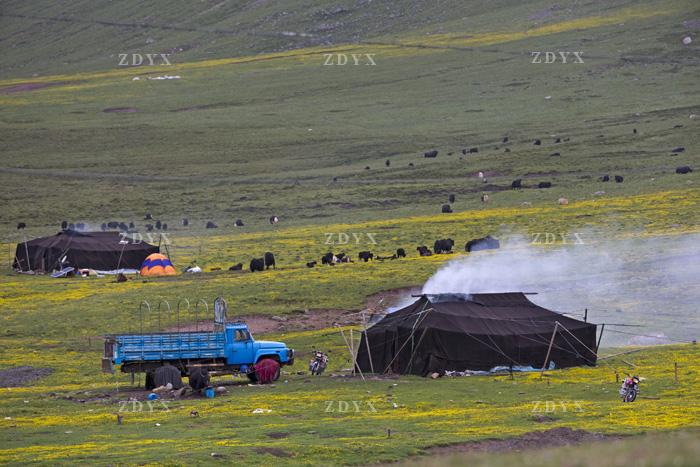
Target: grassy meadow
{"x":257,"y":125}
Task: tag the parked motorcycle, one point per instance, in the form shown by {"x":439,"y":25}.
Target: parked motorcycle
{"x":318,"y":363}
{"x":630,"y":389}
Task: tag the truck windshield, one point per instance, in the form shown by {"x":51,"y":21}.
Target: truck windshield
{"x":241,"y":335}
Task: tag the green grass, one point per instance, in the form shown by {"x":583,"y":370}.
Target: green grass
{"x":258,"y":126}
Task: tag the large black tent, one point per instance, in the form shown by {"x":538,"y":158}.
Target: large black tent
{"x":474,"y":332}
{"x":103,"y":251}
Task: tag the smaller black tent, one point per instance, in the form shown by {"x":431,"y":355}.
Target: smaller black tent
{"x":474,"y":332}
{"x":103,"y":251}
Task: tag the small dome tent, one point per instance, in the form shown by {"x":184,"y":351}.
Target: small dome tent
{"x":157,"y":265}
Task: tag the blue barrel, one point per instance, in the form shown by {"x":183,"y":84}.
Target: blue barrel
{"x":209,"y":392}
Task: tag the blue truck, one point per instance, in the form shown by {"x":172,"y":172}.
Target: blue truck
{"x":229,"y":349}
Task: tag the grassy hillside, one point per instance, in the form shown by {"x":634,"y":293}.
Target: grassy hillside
{"x":256,"y":125}
{"x":252,"y":137}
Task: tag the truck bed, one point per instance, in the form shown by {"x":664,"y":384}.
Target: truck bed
{"x":168,"y":346}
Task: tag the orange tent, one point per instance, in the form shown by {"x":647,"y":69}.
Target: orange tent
{"x":157,"y":265}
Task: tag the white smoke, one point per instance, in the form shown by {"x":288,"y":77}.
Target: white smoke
{"x":653,"y":283}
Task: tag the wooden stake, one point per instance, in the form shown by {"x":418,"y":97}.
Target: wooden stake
{"x":549,"y":350}
{"x":675,"y":372}
{"x":602,"y":328}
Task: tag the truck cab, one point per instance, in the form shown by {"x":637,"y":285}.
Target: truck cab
{"x":242,"y":349}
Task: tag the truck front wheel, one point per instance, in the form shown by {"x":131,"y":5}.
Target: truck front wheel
{"x":267,"y":370}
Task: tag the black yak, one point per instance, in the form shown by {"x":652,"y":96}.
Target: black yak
{"x":269,"y":260}
{"x":486,"y":243}
{"x":443,"y":246}
{"x":365,"y":256}
{"x":257,"y":264}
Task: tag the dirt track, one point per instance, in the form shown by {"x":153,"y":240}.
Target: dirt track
{"x":555,"y":437}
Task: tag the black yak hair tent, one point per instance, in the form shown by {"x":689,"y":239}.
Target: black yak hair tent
{"x":461,"y":332}
{"x":102,"y":251}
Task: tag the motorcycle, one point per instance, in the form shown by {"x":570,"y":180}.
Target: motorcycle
{"x":630,"y":389}
{"x":318,"y":363}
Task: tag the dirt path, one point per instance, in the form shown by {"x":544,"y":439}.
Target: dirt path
{"x":555,"y":437}
{"x":316,"y":318}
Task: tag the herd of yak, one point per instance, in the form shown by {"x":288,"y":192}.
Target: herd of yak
{"x":442,"y":246}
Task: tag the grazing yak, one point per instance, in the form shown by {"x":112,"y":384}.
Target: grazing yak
{"x":238,"y":223}
{"x":269,"y":260}
{"x":544,"y":185}
{"x":114,"y":224}
{"x":473,"y":150}
{"x":505,"y":139}
{"x":464,"y":151}
{"x":518,"y":183}
{"x":557,"y":141}
{"x":451,"y":198}
{"x":605,"y":178}
{"x":486,"y":243}
{"x":387,"y":163}
{"x":164,"y":226}
{"x":236,"y":267}
{"x":132,"y":225}
{"x":211,"y":225}
{"x":506,"y":150}
{"x":329,"y":258}
{"x":446,"y":209}
{"x":274,"y":220}
{"x":365,"y":256}
{"x":149,"y":227}
{"x":185,"y":222}
{"x":555,"y":154}
{"x":443,"y":246}
{"x":400,"y":253}
{"x":257,"y":264}
{"x":563,"y":201}
{"x":678,"y":150}
{"x":159,"y":225}
{"x":148,"y":217}
{"x":367,"y":168}
{"x":21,"y":225}
{"x":619,"y":178}
{"x":537,"y":142}
{"x":64,"y":225}
{"x":311,"y":264}
{"x":124,"y":227}
{"x":103,"y":227}
{"x":683,"y":170}
{"x":410,"y":164}
{"x":424,"y":251}
{"x":484,"y":198}
{"x":431,"y":154}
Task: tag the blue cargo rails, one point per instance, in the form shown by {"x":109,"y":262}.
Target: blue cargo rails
{"x":229,"y":349}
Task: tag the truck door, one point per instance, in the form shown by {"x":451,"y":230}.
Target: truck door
{"x":242,"y":347}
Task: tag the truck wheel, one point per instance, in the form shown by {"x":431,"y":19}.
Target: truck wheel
{"x":266,"y":365}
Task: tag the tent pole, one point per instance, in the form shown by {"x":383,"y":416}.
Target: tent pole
{"x":26,"y":249}
{"x":369,"y":352}
{"x":549,"y":350}
{"x":352,"y":356}
{"x":602,"y":328}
